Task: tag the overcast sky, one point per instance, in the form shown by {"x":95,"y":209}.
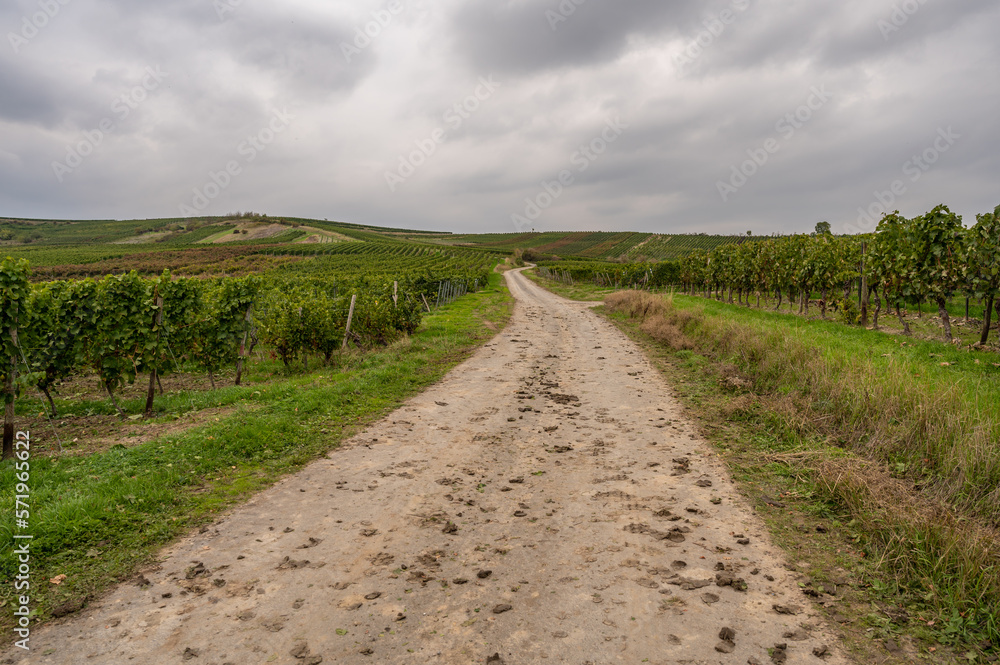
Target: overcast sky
{"x":463,"y":115}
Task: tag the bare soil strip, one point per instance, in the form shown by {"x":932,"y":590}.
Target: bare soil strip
{"x":545,"y":502}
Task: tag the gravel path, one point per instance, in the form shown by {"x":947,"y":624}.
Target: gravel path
{"x":546,"y":502}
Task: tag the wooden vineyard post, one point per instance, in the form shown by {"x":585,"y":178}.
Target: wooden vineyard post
{"x":158,"y":320}
{"x":395,"y":294}
{"x":8,"y":411}
{"x":350,"y":316}
{"x":425,"y":303}
{"x":864,"y":288}
{"x":243,"y":347}
{"x":987,"y":321}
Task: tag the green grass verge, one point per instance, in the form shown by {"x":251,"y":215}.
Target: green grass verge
{"x":97,"y":518}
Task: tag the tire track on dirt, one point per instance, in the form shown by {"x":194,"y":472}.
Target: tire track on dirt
{"x":545,"y":502}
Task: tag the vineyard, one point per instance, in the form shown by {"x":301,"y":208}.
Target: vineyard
{"x":121,"y":311}
{"x":299,"y":303}
{"x":236,"y":259}
{"x":109,"y":301}
{"x":19,"y":233}
{"x":932,"y":259}
{"x":166,"y":375}
{"x":907,"y":264}
{"x":595,"y":245}
{"x":613,"y":275}
{"x":666,"y":247}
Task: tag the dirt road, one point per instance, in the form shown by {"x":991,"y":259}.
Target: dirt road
{"x":544,"y":503}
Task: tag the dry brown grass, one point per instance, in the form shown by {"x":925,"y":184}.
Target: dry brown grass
{"x":884,"y":414}
{"x":920,"y":467}
{"x":636,"y":304}
{"x":662,"y":330}
{"x":919,"y":538}
{"x":654,"y":312}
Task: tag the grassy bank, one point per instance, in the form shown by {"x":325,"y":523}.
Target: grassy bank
{"x":897,"y":437}
{"x":922,"y":320}
{"x":96,"y":518}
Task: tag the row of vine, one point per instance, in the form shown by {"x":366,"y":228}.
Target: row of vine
{"x":121,"y":326}
{"x":932,"y":257}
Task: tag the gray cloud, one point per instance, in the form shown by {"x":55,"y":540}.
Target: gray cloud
{"x":27,"y":96}
{"x":517,"y":36}
{"x":303,"y":55}
{"x":696,"y":98}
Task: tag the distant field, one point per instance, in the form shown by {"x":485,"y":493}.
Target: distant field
{"x":591,"y":244}
{"x":19,"y":232}
{"x":96,"y":240}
